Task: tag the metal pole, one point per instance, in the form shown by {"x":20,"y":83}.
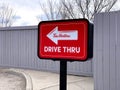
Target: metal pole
{"x":63,"y":75}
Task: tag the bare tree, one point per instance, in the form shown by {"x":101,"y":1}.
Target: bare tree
{"x":51,"y":9}
{"x":86,"y":8}
{"x":71,"y":9}
{"x":6,"y":15}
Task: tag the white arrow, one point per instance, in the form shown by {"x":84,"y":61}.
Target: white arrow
{"x":56,"y":35}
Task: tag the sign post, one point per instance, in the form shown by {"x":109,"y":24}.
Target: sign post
{"x":63,"y":75}
{"x":64,"y":40}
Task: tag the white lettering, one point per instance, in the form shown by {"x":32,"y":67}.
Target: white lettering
{"x":52,"y":49}
{"x":64,"y":49}
{"x":71,"y":49}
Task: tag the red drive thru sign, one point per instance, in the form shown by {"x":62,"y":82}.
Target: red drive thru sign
{"x":67,"y":40}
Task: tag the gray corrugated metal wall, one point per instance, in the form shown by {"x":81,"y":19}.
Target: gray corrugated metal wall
{"x":107,"y":51}
{"x":18,"y":48}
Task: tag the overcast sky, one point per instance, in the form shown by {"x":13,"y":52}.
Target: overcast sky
{"x":28,"y":10}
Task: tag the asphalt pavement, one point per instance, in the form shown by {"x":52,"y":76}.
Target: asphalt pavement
{"x":39,"y":80}
{"x":23,"y":79}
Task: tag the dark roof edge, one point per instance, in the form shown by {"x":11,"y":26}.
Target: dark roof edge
{"x":19,"y":28}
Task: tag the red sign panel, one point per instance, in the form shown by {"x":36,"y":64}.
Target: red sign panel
{"x":66,"y":39}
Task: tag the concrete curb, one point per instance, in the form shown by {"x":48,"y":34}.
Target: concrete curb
{"x":28,"y":80}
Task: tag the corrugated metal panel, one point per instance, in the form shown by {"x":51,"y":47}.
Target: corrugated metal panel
{"x":18,"y":48}
{"x":107,"y":51}
{"x":118,"y":51}
{"x":98,"y":32}
{"x":112,"y":58}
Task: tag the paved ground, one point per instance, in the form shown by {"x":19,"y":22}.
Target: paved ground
{"x":50,"y":81}
{"x":38,"y":80}
{"x":11,"y":81}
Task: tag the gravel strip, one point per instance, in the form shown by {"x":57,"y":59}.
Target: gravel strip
{"x":11,"y":81}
